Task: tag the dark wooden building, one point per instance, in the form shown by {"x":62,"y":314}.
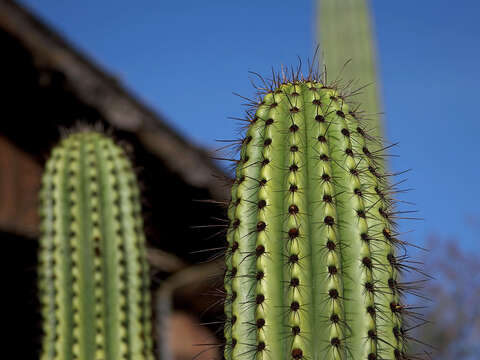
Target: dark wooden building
{"x":46,"y":85}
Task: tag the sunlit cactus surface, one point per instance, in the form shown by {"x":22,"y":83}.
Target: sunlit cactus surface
{"x":312,"y":270}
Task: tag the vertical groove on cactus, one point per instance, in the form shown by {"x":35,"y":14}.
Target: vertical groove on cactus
{"x":93,"y":272}
{"x":311,"y":265}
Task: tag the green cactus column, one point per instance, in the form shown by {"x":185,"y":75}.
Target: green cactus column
{"x":93,"y":278}
{"x":311,"y":266}
{"x":345,"y":34}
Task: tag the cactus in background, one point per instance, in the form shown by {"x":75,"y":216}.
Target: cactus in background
{"x":93,"y":275}
{"x":311,"y":270}
{"x":345,"y":34}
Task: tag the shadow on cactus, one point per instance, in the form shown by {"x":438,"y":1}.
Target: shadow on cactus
{"x":93,"y":275}
{"x":312,"y":270}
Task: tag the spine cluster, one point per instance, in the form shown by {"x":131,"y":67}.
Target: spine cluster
{"x":311,"y":268}
{"x":93,"y":276}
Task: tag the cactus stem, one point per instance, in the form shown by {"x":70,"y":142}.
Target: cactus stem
{"x":311,"y":268}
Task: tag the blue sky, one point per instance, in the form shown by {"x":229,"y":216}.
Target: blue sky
{"x":186,"y":58}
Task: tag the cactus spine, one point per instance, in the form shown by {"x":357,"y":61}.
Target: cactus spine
{"x":311,"y":271}
{"x":93,"y":277}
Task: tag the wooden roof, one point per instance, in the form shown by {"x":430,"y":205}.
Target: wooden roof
{"x":98,"y":90}
{"x":105,"y":93}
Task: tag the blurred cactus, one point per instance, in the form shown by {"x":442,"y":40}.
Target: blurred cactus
{"x":93,"y":276}
{"x":345,"y":35}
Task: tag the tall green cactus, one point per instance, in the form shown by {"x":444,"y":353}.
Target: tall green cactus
{"x":345,"y":34}
{"x":93,"y":276}
{"x":311,"y":265}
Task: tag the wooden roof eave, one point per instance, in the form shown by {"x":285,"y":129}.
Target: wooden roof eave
{"x":105,"y":93}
